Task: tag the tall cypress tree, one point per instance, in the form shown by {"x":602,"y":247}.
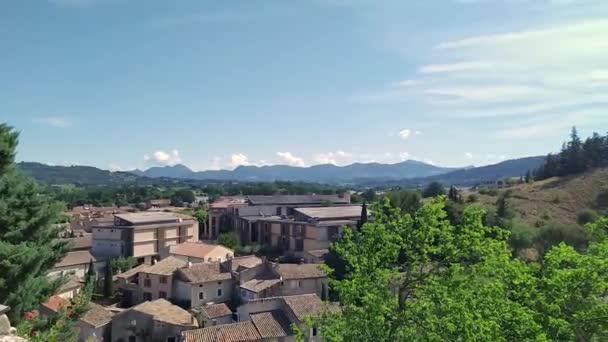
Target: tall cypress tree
{"x":28,"y":244}
{"x":91,"y":275}
{"x":108,"y":284}
{"x":363,"y":219}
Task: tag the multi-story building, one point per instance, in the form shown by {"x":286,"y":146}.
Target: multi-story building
{"x":308,"y":232}
{"x":145,"y":236}
{"x":218,"y":215}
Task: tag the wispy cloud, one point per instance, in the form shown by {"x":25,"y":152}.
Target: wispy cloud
{"x":290,"y":159}
{"x":163,"y":157}
{"x":53,"y":121}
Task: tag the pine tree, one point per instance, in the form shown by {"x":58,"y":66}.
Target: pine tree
{"x":28,"y":235}
{"x":108,"y":285}
{"x":91,"y":275}
{"x":528,"y":177}
{"x":363,"y":219}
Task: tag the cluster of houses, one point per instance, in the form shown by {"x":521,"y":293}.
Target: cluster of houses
{"x":186,"y":287}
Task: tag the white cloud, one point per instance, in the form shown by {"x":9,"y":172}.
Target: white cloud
{"x":404,"y":156}
{"x":480,"y":94}
{"x":163,"y":158}
{"x":53,"y":121}
{"x":115,"y":167}
{"x":468,"y":155}
{"x":239,"y":159}
{"x":464,"y":66}
{"x":290,"y":159}
{"x":404,"y":83}
{"x":337,"y":158}
{"x":404,"y":134}
{"x":417,"y":132}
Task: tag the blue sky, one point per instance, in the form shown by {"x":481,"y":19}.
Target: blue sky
{"x":121,"y":84}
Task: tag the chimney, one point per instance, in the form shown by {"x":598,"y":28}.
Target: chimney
{"x":154,"y":261}
{"x":189,"y":264}
{"x":301,"y":261}
{"x":264,"y":259}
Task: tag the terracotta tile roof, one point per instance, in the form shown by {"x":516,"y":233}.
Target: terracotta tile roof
{"x":272,"y":324}
{"x":199,"y":250}
{"x":237,"y":332}
{"x":216,"y":310}
{"x":259,"y":285}
{"x":73,"y":283}
{"x":304,"y":306}
{"x":132,"y":272}
{"x":75,"y":258}
{"x":97,"y":315}
{"x":203,"y":272}
{"x":162,"y":310}
{"x":80,"y":242}
{"x":299,"y":271}
{"x":55,"y":302}
{"x":165,"y":267}
{"x":246,"y":262}
{"x":296,"y":199}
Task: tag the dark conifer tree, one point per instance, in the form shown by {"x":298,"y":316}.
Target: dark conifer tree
{"x":28,"y":234}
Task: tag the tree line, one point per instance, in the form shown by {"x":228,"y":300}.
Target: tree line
{"x":576,"y":156}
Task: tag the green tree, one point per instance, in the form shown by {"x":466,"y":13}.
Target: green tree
{"x":28,"y":244}
{"x":528,"y":177}
{"x":408,"y":201}
{"x":108,"y":281}
{"x":229,"y":240}
{"x":91,"y":276}
{"x":434,"y":189}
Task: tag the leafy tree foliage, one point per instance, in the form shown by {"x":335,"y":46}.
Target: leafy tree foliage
{"x":408,"y":201}
{"x":229,"y":240}
{"x":421,"y":278}
{"x":434,"y":189}
{"x":28,"y":245}
{"x":576,"y":156}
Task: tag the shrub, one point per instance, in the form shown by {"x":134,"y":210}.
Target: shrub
{"x":586,"y":216}
{"x":553,"y":234}
{"x":522,"y":237}
{"x":472,"y":198}
{"x":230,"y":240}
{"x":601,"y":201}
{"x":489,"y":192}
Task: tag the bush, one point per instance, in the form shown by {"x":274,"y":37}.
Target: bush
{"x":522,"y":237}
{"x":230,"y":240}
{"x":554,"y":234}
{"x":489,"y":192}
{"x":472,"y":198}
{"x":586,"y":216}
{"x":601,"y":201}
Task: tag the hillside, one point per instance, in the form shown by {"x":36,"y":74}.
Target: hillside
{"x":73,"y":174}
{"x":317,"y":173}
{"x":556,"y":200}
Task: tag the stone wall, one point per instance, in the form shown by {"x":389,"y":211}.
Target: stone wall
{"x":7,"y":333}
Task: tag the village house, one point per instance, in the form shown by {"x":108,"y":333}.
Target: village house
{"x":273,"y":279}
{"x":158,"y":203}
{"x":94,"y":324}
{"x":197,"y":252}
{"x":144,"y":236}
{"x":149,"y":282}
{"x":156,"y":321}
{"x":76,"y":264}
{"x":268,"y":319}
{"x":213,"y":314}
{"x":199,"y":284}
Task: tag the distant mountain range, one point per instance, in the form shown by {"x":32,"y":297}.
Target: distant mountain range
{"x":407,"y":173}
{"x":326,"y":173}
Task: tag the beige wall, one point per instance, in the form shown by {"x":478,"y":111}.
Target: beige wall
{"x":305,"y":286}
{"x":154,"y":331}
{"x":190,"y":292}
{"x":155,"y":285}
{"x":142,"y":235}
{"x":86,"y":331}
{"x":145,"y":248}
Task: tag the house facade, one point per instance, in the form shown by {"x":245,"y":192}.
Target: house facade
{"x":144,"y":236}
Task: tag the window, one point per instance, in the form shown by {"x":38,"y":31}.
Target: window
{"x":295,"y":284}
{"x":132,"y":339}
{"x":162,"y":294}
{"x":201,"y":295}
{"x":299,"y":245}
{"x":147,"y":296}
{"x":279,"y":211}
{"x":171,"y":339}
{"x":219,"y":283}
{"x":163,"y":280}
{"x":313,"y":331}
{"x":147,"y":283}
{"x":219,"y":292}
